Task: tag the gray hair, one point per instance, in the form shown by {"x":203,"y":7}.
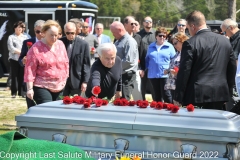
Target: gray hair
{"x":184,"y":20}
{"x":70,"y":23}
{"x":39,"y":23}
{"x":229,"y":22}
{"x":99,"y":24}
{"x":106,"y":46}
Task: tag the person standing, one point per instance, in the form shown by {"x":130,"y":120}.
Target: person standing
{"x":15,"y":42}
{"x":127,"y":50}
{"x":130,"y":25}
{"x":91,"y":40}
{"x":148,"y":37}
{"x":79,"y":61}
{"x":25,"y":47}
{"x":230,"y":29}
{"x":207,"y":67}
{"x":158,"y":58}
{"x":102,"y":38}
{"x":47,"y":67}
{"x":105,"y":73}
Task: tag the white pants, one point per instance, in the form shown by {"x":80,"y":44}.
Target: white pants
{"x":137,"y":94}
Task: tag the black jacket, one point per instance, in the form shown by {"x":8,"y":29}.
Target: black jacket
{"x":24,"y":49}
{"x":207,"y":69}
{"x":235,"y":42}
{"x":79,"y":63}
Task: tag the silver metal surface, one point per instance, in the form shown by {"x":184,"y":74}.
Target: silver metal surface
{"x":149,"y":131}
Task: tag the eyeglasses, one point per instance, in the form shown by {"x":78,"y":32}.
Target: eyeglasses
{"x":160,"y":35}
{"x":98,"y":28}
{"x":85,"y":27}
{"x":134,"y":24}
{"x":72,"y":33}
{"x":224,"y":33}
{"x":147,"y":21}
{"x":175,"y":43}
{"x":181,"y":25}
{"x":37,"y":31}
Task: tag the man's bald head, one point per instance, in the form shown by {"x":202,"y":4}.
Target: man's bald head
{"x":70,"y":25}
{"x":195,"y":22}
{"x":117,"y":29}
{"x":196,"y":18}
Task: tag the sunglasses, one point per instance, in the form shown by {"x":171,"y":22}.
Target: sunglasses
{"x":181,"y":25}
{"x":160,"y":35}
{"x":175,"y":43}
{"x":148,"y":21}
{"x":224,"y":33}
{"x":37,"y":31}
{"x":85,"y":27}
{"x":134,"y":24}
{"x":72,"y":33}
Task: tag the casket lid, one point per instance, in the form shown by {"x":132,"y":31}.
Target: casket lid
{"x":199,"y":122}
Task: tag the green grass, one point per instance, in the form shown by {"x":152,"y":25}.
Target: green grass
{"x":9,"y":108}
{"x":109,"y":33}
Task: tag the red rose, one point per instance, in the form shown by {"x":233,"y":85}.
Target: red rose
{"x":116,"y":102}
{"x":175,"y":109}
{"x":92,"y":49}
{"x":159,"y":105}
{"x":86,"y":104}
{"x":96,"y":90}
{"x":124,"y":102}
{"x":169,"y":106}
{"x":29,"y":44}
{"x":105,"y":102}
{"x":93,"y":99}
{"x":132,"y":103}
{"x":153,"y":104}
{"x":176,"y":69}
{"x":144,"y":104}
{"x":80,"y":100}
{"x":98,"y":102}
{"x":89,"y":100}
{"x":75,"y":98}
{"x":165,"y":105}
{"x":190,"y":108}
{"x":139,"y":102}
{"x":67,"y":100}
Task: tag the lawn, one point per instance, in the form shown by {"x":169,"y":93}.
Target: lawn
{"x":109,"y":33}
{"x":9,"y":108}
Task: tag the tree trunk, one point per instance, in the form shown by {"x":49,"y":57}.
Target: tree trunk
{"x":232,"y":9}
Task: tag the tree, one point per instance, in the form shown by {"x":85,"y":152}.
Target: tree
{"x":232,"y":9}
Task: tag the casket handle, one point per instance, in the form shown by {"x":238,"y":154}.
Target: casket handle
{"x":121,"y":145}
{"x":59,"y":138}
{"x":232,"y":151}
{"x":23,"y":131}
{"x":189,"y":149}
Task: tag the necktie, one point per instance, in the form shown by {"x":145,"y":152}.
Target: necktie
{"x":69,"y":49}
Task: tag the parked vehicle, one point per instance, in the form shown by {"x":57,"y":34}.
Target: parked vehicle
{"x":30,"y":11}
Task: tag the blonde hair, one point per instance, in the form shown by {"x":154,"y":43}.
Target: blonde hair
{"x":181,"y":37}
{"x":48,"y":25}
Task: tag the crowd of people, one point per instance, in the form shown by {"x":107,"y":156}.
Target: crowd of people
{"x":198,"y":67}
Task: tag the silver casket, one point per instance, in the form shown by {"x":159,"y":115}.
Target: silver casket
{"x":108,"y":131}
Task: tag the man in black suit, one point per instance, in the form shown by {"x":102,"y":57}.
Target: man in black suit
{"x":22,"y":58}
{"x":79,"y":61}
{"x":207,"y":67}
{"x":37,"y":29}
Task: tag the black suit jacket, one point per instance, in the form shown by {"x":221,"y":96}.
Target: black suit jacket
{"x":207,"y":69}
{"x":25,"y":49}
{"x":79,"y":63}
